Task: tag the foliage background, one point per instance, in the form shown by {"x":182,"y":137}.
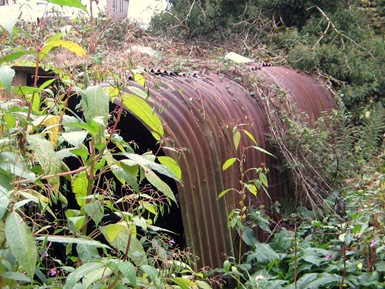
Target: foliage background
{"x":342,"y":41}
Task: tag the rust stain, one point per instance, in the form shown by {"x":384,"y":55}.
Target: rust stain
{"x":200,"y":112}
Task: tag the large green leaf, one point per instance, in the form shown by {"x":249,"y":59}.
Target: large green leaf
{"x":95,"y":275}
{"x":87,"y":252}
{"x":95,"y":211}
{"x":147,"y":161}
{"x":74,"y":138}
{"x":13,"y":165}
{"x":16,"y":276}
{"x":79,"y":188}
{"x":126,"y":174}
{"x":159,"y":184}
{"x":15,"y":55}
{"x":145,"y":113}
{"x":81,"y":272}
{"x":172,"y":164}
{"x":151,"y":272}
{"x":129,"y":271}
{"x":44,"y":153}
{"x":6,"y":76}
{"x":69,"y":3}
{"x":120,"y":235}
{"x":184,"y":283}
{"x":72,"y":240}
{"x":5,"y":192}
{"x":21,"y":241}
{"x":95,"y":103}
{"x":324,"y":280}
{"x":264,"y":253}
{"x":69,"y":45}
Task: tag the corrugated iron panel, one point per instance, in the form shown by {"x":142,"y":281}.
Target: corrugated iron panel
{"x":199,"y":113}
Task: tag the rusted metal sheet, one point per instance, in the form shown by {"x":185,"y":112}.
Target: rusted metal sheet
{"x":199,"y":113}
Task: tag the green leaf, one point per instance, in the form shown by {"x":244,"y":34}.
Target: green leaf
{"x":137,"y":91}
{"x":159,"y":184}
{"x":236,"y":137}
{"x":312,"y":259}
{"x":118,"y":235}
{"x":75,"y":138}
{"x":263,"y":179}
{"x":72,"y":240}
{"x":44,"y":153}
{"x":16,"y":276}
{"x":113,"y":230}
{"x":148,"y":160}
{"x":10,"y":120}
{"x":95,"y":103}
{"x":21,"y":241}
{"x":81,"y":272}
{"x":126,"y":174}
{"x":95,"y":211}
{"x":129,"y":271}
{"x":98,"y":274}
{"x":250,"y":136}
{"x":140,"y":108}
{"x":69,"y":45}
{"x":69,"y":3}
{"x":6,"y":77}
{"x":151,"y":272}
{"x":252,"y":189}
{"x":26,"y":90}
{"x":183,"y":283}
{"x":324,"y":280}
{"x":380,"y":266}
{"x":171,"y":164}
{"x":224,"y":192}
{"x":15,"y":55}
{"x":79,"y":188}
{"x":5,"y":192}
{"x":264,"y":253}
{"x":139,"y":78}
{"x":87,"y":252}
{"x":228,"y":163}
{"x":13,"y":164}
{"x":203,"y":285}
{"x":263,"y":150}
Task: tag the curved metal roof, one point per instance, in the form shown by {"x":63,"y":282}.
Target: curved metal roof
{"x":199,"y":113}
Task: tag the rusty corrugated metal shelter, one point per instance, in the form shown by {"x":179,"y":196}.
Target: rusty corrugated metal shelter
{"x":199,"y":113}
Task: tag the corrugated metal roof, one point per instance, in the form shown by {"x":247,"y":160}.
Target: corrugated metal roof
{"x":199,"y":113}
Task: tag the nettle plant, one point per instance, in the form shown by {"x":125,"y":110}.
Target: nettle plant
{"x":65,"y":226}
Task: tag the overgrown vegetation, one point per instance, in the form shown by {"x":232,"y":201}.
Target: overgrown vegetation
{"x":78,"y":204}
{"x":338,"y":164}
{"x":341,"y":159}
